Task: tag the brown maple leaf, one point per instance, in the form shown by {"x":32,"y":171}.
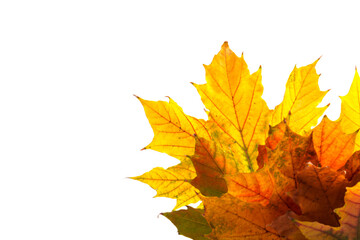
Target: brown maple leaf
{"x":349,"y":220}
{"x":320,"y":191}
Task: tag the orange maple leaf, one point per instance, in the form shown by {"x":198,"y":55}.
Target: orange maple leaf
{"x":332,"y":145}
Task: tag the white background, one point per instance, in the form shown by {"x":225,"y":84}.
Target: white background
{"x":70,"y":129}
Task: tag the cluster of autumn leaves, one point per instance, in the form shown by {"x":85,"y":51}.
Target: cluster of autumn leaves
{"x":259,"y":173}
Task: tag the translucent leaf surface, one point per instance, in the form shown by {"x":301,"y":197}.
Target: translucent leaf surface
{"x":173,"y":130}
{"x":233,"y":97}
{"x":251,"y":187}
{"x":173,"y":182}
{"x":302,"y":96}
{"x":350,"y":109}
{"x":234,"y":219}
{"x":332,"y":145}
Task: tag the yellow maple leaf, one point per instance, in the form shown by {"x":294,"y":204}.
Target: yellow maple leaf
{"x":173,"y":182}
{"x":302,"y":96}
{"x":173,"y":130}
{"x":350,"y":109}
{"x":233,"y":97}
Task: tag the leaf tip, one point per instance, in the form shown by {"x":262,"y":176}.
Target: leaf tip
{"x":316,"y":61}
{"x":225,"y":44}
{"x":356,"y":72}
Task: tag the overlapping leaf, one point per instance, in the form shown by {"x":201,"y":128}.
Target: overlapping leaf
{"x":350,"y":109}
{"x":218,"y":173}
{"x":276,"y":133}
{"x":319,"y":192}
{"x":251,"y":187}
{"x":285,"y":226}
{"x":332,"y":145}
{"x":349,"y":221}
{"x":173,"y":130}
{"x":302,"y":96}
{"x":285,"y":161}
{"x":212,"y":163}
{"x":173,"y":182}
{"x":234,"y":219}
{"x":190,"y":223}
{"x":292,"y":153}
{"x":233,"y":97}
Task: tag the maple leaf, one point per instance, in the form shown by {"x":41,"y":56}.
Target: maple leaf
{"x":349,"y":221}
{"x":319,"y":192}
{"x":173,"y":129}
{"x":350,"y":109}
{"x":284,"y":161}
{"x":291,"y":153}
{"x":233,"y":97}
{"x":332,"y":145}
{"x":218,"y":172}
{"x":251,"y":187}
{"x":173,"y":182}
{"x":190,"y":223}
{"x":174,"y":134}
{"x":212,"y":163}
{"x":302,"y":96}
{"x":235,"y":219}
